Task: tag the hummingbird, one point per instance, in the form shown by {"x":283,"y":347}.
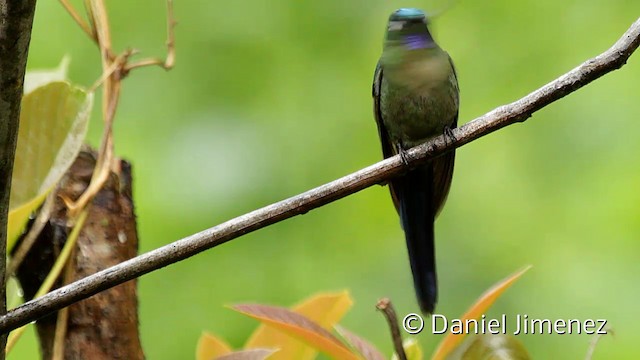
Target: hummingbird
{"x":416,"y":98}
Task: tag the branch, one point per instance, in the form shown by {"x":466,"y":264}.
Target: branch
{"x":520,"y":110}
{"x":389,"y":312}
{"x":16,"y":18}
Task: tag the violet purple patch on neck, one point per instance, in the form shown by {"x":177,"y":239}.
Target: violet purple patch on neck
{"x":415,"y":42}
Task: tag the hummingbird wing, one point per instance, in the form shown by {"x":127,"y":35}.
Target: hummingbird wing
{"x":442,"y":175}
{"x":443,"y":165}
{"x":388,"y":150}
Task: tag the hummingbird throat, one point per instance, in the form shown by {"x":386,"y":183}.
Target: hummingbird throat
{"x":413,"y":36}
{"x":418,"y":41}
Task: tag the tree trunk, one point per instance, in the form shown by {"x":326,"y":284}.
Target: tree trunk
{"x":105,"y":326}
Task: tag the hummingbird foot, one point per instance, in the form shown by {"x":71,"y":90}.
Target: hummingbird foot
{"x":448,"y":132}
{"x":403,"y":155}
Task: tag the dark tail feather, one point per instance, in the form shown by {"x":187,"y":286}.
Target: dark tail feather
{"x":415,"y":192}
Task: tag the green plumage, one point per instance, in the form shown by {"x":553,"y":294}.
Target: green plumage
{"x":416,"y":98}
{"x":418,"y":95}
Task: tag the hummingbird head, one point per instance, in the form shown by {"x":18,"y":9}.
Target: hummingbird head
{"x":408,"y":27}
{"x":404,"y":14}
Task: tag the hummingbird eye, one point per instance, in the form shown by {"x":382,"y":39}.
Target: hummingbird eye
{"x":396,"y":25}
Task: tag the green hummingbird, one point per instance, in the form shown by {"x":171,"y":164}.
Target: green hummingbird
{"x":416,"y":97}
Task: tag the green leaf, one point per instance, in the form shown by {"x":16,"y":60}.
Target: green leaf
{"x":412,"y":349}
{"x":35,"y":78}
{"x":495,"y":347}
{"x":53,"y":124}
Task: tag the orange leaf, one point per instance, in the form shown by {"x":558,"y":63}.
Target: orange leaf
{"x":298,"y":326}
{"x":210,"y":347}
{"x":325,"y":309}
{"x":451,"y":341}
{"x":253,"y":354}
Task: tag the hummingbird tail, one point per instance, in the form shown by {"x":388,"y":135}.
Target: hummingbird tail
{"x":415,"y":193}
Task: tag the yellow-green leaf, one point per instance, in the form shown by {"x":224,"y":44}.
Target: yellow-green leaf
{"x":325,"y":309}
{"x":299,"y":327}
{"x":495,"y":347}
{"x":53,"y":124}
{"x":211,"y":347}
{"x":36,"y":78}
{"x":412,"y":349}
{"x":451,"y":341}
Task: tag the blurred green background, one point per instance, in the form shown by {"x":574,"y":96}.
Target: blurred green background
{"x":271,"y":98}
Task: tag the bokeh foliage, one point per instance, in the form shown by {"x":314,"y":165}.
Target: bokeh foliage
{"x":270,"y":98}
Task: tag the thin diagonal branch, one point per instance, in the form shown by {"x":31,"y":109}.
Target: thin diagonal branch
{"x":520,"y":110}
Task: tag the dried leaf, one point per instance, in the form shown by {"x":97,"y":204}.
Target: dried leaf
{"x":365,"y":348}
{"x":325,"y":309}
{"x":451,"y":341}
{"x":298,"y":326}
{"x":210,"y":346}
{"x":253,"y":354}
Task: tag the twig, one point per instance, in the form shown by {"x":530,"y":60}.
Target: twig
{"x":87,"y":9}
{"x":61,"y":332}
{"x":117,"y":65}
{"x":520,"y":110}
{"x":16,"y":18}
{"x":171,"y":50}
{"x":385,"y":306}
{"x":56,"y":270}
{"x":114,"y":69}
{"x":62,"y":321}
{"x":27,"y":242}
{"x":98,"y":14}
{"x":76,"y":17}
{"x":594,"y":343}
